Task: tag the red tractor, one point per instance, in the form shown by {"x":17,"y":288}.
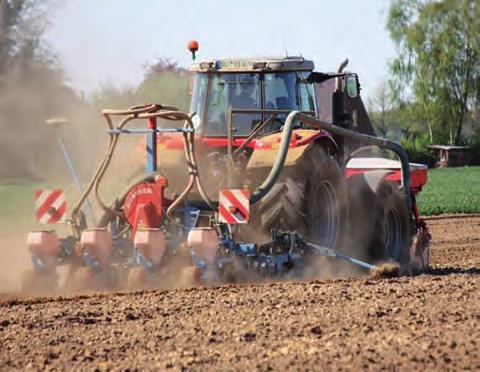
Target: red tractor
{"x":261,"y":177}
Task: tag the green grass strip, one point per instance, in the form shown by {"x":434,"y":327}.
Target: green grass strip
{"x":451,"y":190}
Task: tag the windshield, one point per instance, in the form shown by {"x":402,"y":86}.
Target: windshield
{"x":279,"y":90}
{"x":236,"y":91}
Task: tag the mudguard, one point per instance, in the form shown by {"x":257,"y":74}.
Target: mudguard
{"x":266,"y":149}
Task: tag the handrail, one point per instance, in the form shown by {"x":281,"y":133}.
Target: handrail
{"x":142,"y":112}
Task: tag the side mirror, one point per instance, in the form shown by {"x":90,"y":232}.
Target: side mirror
{"x":352,"y":86}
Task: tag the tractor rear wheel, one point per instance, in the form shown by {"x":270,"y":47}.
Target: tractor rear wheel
{"x":380,"y":220}
{"x":310,"y":198}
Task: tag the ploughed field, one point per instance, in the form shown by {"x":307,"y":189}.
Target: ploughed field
{"x":430,"y":321}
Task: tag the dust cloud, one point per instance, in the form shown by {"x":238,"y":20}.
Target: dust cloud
{"x":30,"y":156}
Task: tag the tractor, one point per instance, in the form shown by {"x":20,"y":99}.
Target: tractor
{"x":259,"y":180}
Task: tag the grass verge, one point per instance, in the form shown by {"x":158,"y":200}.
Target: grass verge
{"x":451,"y":190}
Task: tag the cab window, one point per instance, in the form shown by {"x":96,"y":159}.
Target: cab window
{"x":307,"y":95}
{"x":197,"y":103}
{"x":280,"y":91}
{"x":236,"y":91}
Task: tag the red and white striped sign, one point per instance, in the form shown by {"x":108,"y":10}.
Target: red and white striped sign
{"x":234,"y":206}
{"x":50,"y":206}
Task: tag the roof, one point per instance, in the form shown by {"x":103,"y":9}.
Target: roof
{"x":254,"y":64}
{"x":448,"y":147}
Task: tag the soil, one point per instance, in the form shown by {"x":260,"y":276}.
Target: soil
{"x":430,"y":321}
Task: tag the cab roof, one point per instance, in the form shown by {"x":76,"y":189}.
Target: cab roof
{"x":254,"y":64}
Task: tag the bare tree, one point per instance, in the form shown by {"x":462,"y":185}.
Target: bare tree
{"x":380,"y":110}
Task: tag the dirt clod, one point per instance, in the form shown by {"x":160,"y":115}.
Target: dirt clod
{"x":386,"y":270}
{"x":316,"y":330}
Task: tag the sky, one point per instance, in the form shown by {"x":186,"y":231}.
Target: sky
{"x":101,"y":42}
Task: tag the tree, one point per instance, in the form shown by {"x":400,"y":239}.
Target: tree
{"x":9,"y":16}
{"x":379,"y":109}
{"x":164,"y":83}
{"x":438,"y":62}
{"x":22,"y":23}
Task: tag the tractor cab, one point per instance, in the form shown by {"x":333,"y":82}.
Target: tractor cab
{"x":243,"y":92}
